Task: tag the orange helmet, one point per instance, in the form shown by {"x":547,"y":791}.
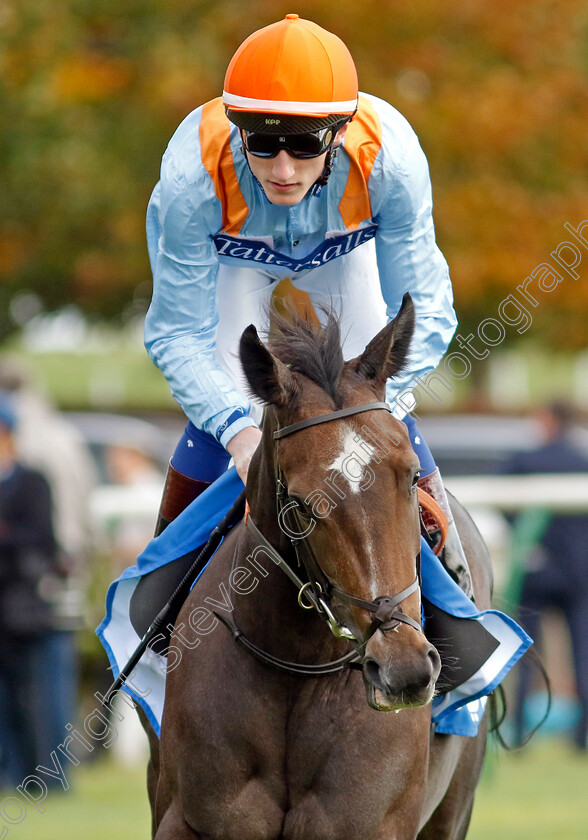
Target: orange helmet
{"x":295,"y":70}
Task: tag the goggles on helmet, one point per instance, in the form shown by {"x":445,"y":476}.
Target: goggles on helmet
{"x":310,"y":144}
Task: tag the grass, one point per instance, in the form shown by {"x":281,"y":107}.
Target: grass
{"x":539,"y":794}
{"x":105,"y":799}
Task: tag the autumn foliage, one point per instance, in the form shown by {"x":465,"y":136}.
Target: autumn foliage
{"x":91,"y":91}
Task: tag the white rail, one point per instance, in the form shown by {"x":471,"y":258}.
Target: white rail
{"x":561,"y":492}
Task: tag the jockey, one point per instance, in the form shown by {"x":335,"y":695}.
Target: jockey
{"x":292,"y":186}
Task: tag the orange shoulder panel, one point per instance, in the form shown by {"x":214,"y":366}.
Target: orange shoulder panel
{"x":218,"y":159}
{"x":363,"y":141}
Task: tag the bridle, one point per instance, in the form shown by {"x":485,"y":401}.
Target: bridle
{"x":317,"y":592}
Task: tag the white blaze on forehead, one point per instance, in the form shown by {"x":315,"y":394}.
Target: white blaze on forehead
{"x":355,"y":455}
{"x":352,"y":463}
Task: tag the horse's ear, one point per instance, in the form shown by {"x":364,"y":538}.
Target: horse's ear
{"x":268,"y":377}
{"x":387,"y":353}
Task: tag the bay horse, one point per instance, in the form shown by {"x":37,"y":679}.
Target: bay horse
{"x":267,"y":733}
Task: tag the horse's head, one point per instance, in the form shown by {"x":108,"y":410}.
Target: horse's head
{"x":347,"y":491}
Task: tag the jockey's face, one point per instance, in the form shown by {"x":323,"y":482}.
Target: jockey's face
{"x":286,"y":179}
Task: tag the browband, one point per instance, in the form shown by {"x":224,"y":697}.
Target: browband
{"x":325,"y":418}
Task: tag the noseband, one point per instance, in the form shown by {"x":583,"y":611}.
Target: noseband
{"x":317,"y":592}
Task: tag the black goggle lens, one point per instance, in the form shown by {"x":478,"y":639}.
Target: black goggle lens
{"x":309,"y":145}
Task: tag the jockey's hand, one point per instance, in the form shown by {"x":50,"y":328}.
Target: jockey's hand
{"x":241,"y":448}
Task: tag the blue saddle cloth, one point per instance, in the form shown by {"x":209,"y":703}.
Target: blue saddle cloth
{"x":458,"y":711}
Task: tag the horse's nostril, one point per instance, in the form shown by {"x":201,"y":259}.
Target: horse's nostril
{"x":373,"y":673}
{"x":435,"y":660}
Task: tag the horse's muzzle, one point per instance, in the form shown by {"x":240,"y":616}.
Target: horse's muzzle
{"x":400,"y":679}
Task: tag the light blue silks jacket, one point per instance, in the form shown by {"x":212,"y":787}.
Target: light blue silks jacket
{"x":187,"y":244}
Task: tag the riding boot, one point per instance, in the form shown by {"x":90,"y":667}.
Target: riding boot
{"x":179,"y":491}
{"x":453,"y":556}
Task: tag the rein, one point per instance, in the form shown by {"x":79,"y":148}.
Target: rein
{"x":317,"y":590}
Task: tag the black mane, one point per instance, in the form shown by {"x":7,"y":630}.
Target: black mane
{"x":308,"y":348}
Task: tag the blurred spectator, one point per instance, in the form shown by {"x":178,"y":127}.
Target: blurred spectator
{"x":130,"y":467}
{"x":34,"y":689}
{"x":556,"y":571}
{"x":45,"y":442}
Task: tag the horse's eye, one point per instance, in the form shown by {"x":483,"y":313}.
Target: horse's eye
{"x":415,"y":479}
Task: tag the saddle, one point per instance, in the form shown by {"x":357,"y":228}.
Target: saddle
{"x":434,"y":524}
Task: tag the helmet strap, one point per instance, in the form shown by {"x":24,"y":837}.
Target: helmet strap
{"x":326,"y":174}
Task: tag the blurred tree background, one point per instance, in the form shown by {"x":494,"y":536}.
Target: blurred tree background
{"x":91,"y":91}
